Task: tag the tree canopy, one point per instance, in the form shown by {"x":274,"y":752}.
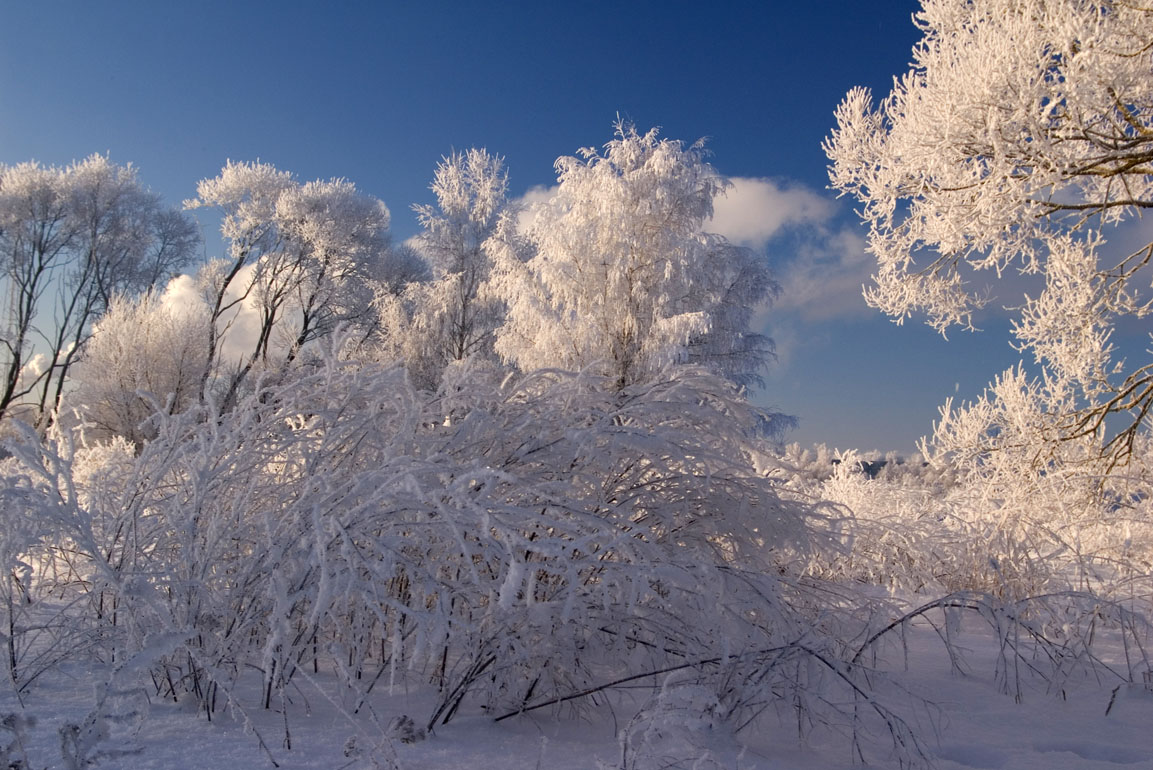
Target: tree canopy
{"x":1019,"y":141}
{"x":71,"y":239}
{"x":622,"y":278}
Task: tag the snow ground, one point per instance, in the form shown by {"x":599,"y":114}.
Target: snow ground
{"x":967,"y":723}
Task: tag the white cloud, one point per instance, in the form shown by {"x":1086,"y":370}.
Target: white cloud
{"x":529,"y":202}
{"x":753,"y":211}
{"x":182,"y":296}
{"x":35,"y":367}
{"x":823,"y":280}
{"x":820,"y":266}
{"x":239,"y":327}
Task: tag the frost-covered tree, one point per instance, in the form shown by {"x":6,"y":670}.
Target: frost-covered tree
{"x":340,"y":241}
{"x":471,"y":197}
{"x":446,"y":319}
{"x":71,"y":239}
{"x":622,"y":279}
{"x":1019,"y":140}
{"x":301,"y":257}
{"x":146,"y":354}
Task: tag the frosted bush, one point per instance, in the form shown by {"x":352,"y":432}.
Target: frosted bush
{"x":512,"y":541}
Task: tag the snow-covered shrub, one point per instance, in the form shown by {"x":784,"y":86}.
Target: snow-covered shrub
{"x":44,"y":596}
{"x":973,"y":520}
{"x":13,"y":751}
{"x":107,"y":732}
{"x":674,"y":728}
{"x":1052,"y":559}
{"x":900,"y":535}
{"x":520,"y":542}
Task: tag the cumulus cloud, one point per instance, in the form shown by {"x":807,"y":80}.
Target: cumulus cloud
{"x":239,"y":327}
{"x":820,"y":261}
{"x":35,"y":367}
{"x":753,"y":211}
{"x":529,"y":202}
{"x":183,"y":296}
{"x":821,"y":277}
{"x":824,"y":279}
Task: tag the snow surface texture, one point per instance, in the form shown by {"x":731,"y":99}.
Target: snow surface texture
{"x":1090,"y":728}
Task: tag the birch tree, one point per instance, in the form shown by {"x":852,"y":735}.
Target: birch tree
{"x":623,"y":280}
{"x":446,"y":319}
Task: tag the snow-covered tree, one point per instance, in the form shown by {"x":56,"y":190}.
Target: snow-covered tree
{"x":70,"y":240}
{"x":146,"y":354}
{"x":1019,"y":141}
{"x":340,"y":240}
{"x":622,"y":279}
{"x":301,"y":258}
{"x":36,"y":235}
{"x":431,"y":324}
{"x":471,"y":197}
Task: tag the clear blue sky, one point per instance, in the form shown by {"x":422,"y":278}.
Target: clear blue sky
{"x":377,"y":92}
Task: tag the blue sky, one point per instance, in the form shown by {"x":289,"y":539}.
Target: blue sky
{"x":377,"y":92}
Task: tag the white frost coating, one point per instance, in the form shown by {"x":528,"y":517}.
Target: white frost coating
{"x":1020,"y":138}
{"x":622,"y":278}
{"x":513,"y":582}
{"x":302,"y":258}
{"x":433,"y":324}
